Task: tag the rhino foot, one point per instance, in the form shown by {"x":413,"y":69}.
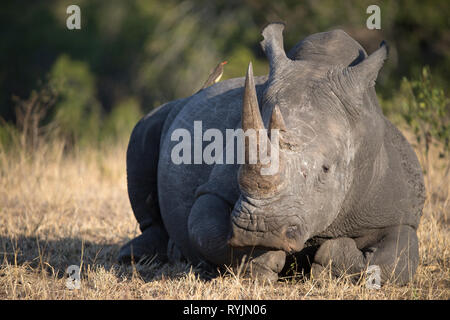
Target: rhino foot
{"x":316,"y":270}
{"x":151,"y":244}
{"x":395,"y":254}
{"x":266,"y":266}
{"x":174,"y":253}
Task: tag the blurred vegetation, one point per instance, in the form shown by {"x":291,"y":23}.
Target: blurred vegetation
{"x":426,"y":109}
{"x":92,"y":85}
{"x":77,"y":114}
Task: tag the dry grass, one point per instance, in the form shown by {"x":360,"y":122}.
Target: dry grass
{"x":58,"y":210}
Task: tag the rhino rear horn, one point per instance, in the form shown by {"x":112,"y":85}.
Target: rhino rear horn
{"x":277,"y":121}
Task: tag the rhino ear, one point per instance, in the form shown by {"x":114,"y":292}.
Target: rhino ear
{"x":364,"y":74}
{"x":273,"y":47}
{"x":350,"y":83}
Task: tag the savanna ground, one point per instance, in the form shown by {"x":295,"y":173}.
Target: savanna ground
{"x":59,"y":209}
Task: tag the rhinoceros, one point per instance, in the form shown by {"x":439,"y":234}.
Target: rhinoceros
{"x":348,"y":192}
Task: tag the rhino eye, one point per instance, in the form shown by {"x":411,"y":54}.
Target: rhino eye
{"x":325,"y":168}
{"x":291,"y":231}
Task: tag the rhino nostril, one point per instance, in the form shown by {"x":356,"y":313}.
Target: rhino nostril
{"x":303,"y":171}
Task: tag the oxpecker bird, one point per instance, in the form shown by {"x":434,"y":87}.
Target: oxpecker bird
{"x":215,"y":76}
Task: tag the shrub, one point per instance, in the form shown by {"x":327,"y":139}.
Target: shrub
{"x":122,"y":119}
{"x":77,"y":111}
{"x":426,"y":108}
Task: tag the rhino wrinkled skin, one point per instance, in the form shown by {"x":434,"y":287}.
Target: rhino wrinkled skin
{"x":349,"y":191}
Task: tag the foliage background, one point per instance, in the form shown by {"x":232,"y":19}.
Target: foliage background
{"x":131,"y":56}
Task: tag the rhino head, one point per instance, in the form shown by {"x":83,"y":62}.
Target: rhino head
{"x":320,"y":113}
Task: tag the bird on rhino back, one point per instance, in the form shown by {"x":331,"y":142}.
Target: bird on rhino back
{"x":348,"y":192}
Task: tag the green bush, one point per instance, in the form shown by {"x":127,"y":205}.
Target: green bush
{"x":77,"y":111}
{"x":426,"y":108}
{"x":8,"y":135}
{"x":121,"y":120}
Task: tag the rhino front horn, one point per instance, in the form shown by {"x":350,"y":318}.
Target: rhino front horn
{"x":261,"y":174}
{"x":251,"y":117}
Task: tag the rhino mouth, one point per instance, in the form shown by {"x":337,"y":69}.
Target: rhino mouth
{"x":270,"y":232}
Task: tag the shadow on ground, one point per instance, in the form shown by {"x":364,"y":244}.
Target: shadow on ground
{"x":55,"y":256}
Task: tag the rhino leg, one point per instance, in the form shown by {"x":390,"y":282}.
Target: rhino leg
{"x":209,"y":228}
{"x":142,"y":164}
{"x":150,"y":245}
{"x":395,"y":252}
{"x":343,"y":255}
